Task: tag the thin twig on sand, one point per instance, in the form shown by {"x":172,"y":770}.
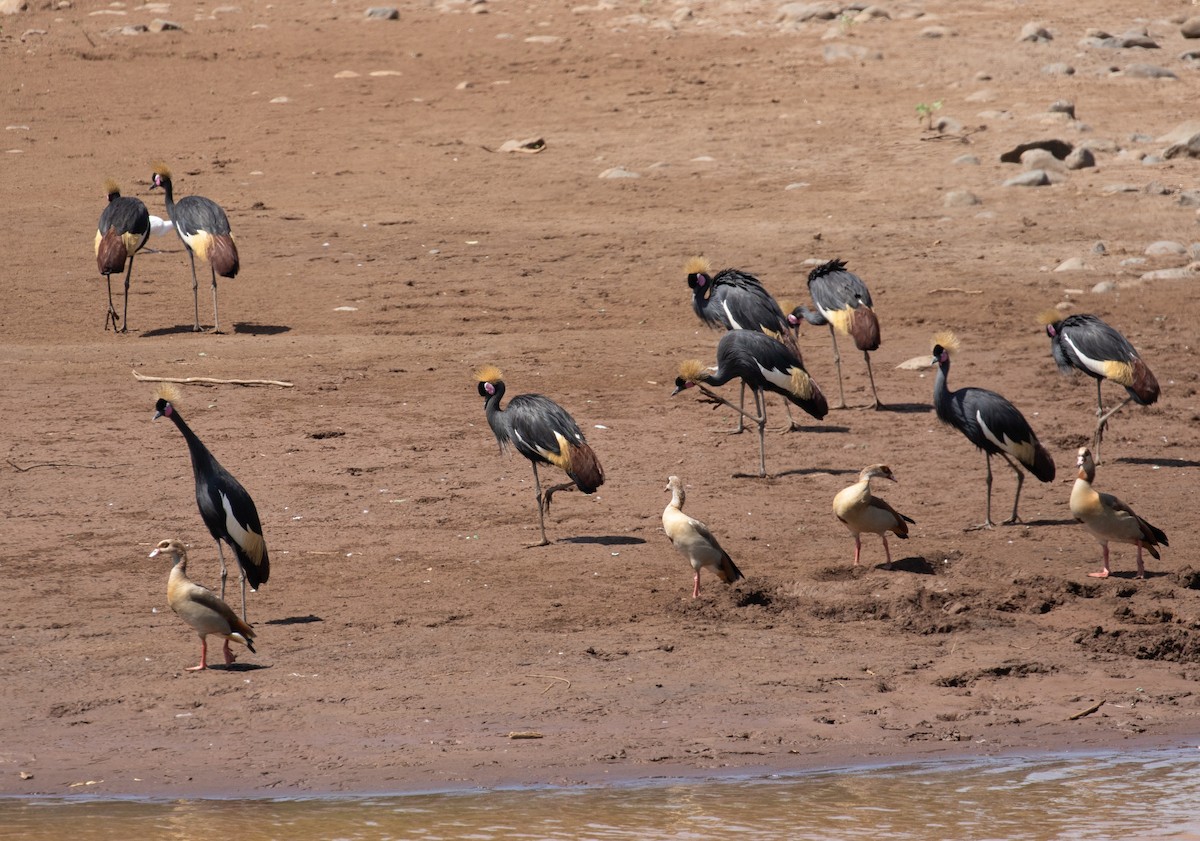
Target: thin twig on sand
{"x":1088,"y":711}
{"x":208,"y":381}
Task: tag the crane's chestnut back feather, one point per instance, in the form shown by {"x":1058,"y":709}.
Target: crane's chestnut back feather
{"x":864,"y":328}
{"x":111,"y":253}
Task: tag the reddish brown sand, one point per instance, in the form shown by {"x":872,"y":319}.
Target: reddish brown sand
{"x":388,"y":250}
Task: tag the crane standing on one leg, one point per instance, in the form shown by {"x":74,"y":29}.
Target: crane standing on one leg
{"x":204,"y":230}
{"x":123,"y":229}
{"x":1083,"y":342}
{"x":544,"y":433}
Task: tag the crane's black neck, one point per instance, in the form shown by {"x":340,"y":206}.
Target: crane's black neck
{"x":201,"y":457}
{"x":164,"y":181}
{"x":941,"y":391}
{"x":492,"y":393}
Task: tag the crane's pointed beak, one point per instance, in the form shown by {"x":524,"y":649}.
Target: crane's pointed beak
{"x":157,"y":415}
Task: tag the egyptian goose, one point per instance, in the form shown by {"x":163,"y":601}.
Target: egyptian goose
{"x":201,"y":608}
{"x":861,"y":511}
{"x":1107,"y":518}
{"x":694,"y":541}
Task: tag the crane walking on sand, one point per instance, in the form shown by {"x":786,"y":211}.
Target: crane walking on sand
{"x":763,"y":364}
{"x":694,"y":541}
{"x":200,"y":607}
{"x":123,"y":229}
{"x":861,"y":511}
{"x":737,"y":300}
{"x":843,"y":302}
{"x":989,"y":422}
{"x":204,"y":230}
{"x":225,"y":507}
{"x":544,"y":433}
{"x":1107,"y":518}
{"x":1085,"y":343}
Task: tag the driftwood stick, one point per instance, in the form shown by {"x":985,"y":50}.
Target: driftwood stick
{"x":955,"y":289}
{"x":551,"y":685}
{"x":1088,"y":711}
{"x":20,"y":469}
{"x":208,"y":381}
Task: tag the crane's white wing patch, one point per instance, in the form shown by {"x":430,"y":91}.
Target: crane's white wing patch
{"x":1093,"y":365}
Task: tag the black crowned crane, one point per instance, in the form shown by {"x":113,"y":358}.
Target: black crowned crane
{"x":843,"y":302}
{"x":544,"y":433}
{"x":225,"y":507}
{"x":762,"y":363}
{"x":123,"y":229}
{"x":1085,"y":343}
{"x":204,"y":230}
{"x":991,"y":423}
{"x":737,"y":300}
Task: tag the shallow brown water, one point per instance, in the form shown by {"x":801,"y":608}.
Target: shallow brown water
{"x":1135,"y":795}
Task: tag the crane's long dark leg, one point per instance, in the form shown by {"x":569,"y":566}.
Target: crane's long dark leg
{"x":125,"y":317}
{"x":837,"y":361}
{"x":878,"y":405}
{"x":216,"y":324}
{"x":1102,"y":423}
{"x":224,"y":573}
{"x":195,"y":290}
{"x":112,"y":311}
{"x":242,"y":576}
{"x":1016,"y":499}
{"x":760,"y":403}
{"x":987,"y":520}
{"x":537,"y":483}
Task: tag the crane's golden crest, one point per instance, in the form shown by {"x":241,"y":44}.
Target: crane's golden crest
{"x":169,"y":392}
{"x":1048,"y":317}
{"x":692,"y":370}
{"x":947,"y":340}
{"x":801,"y":383}
{"x":696,"y":265}
{"x":111,"y":186}
{"x":161,"y":169}
{"x":488,"y":374}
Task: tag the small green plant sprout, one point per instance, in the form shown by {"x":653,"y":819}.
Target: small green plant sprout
{"x":925,"y":111}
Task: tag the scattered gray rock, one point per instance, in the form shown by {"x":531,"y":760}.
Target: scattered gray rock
{"x":12,"y":7}
{"x":947,"y":125}
{"x":1151,"y":160}
{"x":1137,"y":39}
{"x":1063,"y":106}
{"x":1103,"y":286}
{"x":1181,"y":273}
{"x":1190,"y":28}
{"x":966,"y":160}
{"x":1059,"y":68}
{"x":1133,"y":261}
{"x":1099,"y":248}
{"x":1073,"y":264}
{"x":1035,"y":33}
{"x":960,"y":198}
{"x":160,"y":25}
{"x":619,"y":172}
{"x":1190,"y":56}
{"x":1081,"y":158}
{"x":1032,"y":178}
{"x":1187,"y":149}
{"x":1190,"y":198}
{"x":1149,"y":71}
{"x":1166,"y":248}
{"x":31,"y":33}
{"x":937,"y":32}
{"x":134,"y":29}
{"x":1110,"y":189}
{"x":1059,"y":148}
{"x":383,"y":13}
{"x":1181,"y":133}
{"x":801,"y":12}
{"x":1040,"y":159}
